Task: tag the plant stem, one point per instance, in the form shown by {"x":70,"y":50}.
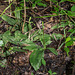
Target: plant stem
{"x":24,"y":16}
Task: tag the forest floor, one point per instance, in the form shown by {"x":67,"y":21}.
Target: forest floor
{"x":18,"y":63}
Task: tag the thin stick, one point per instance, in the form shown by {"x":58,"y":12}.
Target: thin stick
{"x":24,"y":17}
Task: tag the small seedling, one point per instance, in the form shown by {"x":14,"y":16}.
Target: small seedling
{"x":52,"y":73}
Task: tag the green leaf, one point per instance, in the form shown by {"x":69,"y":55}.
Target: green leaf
{"x":43,"y":62}
{"x":67,"y":50}
{"x":45,"y":39}
{"x":61,"y":45}
{"x":70,"y":13}
{"x":62,"y":1}
{"x":48,"y":42}
{"x":27,"y":0}
{"x":55,"y":27}
{"x":29,"y":45}
{"x":0,"y":36}
{"x":17,"y":14}
{"x":19,"y":36}
{"x":15,"y":48}
{"x":71,"y":30}
{"x":68,"y":39}
{"x":6,"y":37}
{"x":73,"y":38}
{"x":41,"y":4}
{"x":33,"y":5}
{"x":32,"y":73}
{"x":32,"y":47}
{"x":54,"y":73}
{"x":9,"y":20}
{"x":73,"y":8}
{"x":74,"y":0}
{"x":54,"y":1}
{"x":37,"y":1}
{"x":56,"y":36}
{"x":69,"y":43}
{"x":50,"y":71}
{"x":1,"y":43}
{"x":62,"y":24}
{"x":53,"y":51}
{"x":35,"y":58}
{"x":27,"y":41}
{"x":29,"y":25}
{"x":3,"y":63}
{"x":6,"y":9}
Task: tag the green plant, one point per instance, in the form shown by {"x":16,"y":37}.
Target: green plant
{"x":22,"y":42}
{"x":52,"y":73}
{"x":37,"y":56}
{"x":32,"y":73}
{"x":33,"y":3}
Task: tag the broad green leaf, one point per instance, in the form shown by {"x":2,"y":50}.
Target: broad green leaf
{"x":67,"y":50}
{"x":36,"y":58}
{"x":43,"y":62}
{"x":68,"y":39}
{"x":9,"y":20}
{"x":69,"y":43}
{"x":73,"y":8}
{"x":53,"y":51}
{"x":1,"y":43}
